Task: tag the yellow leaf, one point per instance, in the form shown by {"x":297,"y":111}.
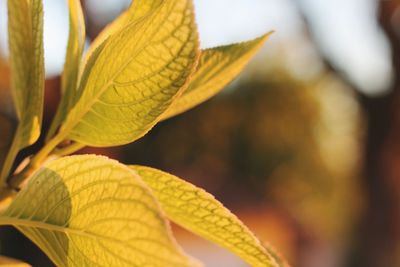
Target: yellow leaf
{"x":201,"y":213}
{"x":139,"y":72}
{"x":76,"y":43}
{"x":137,"y":10}
{"x":9,"y":262}
{"x":25,"y":36}
{"x":69,"y":81}
{"x":217,"y":67}
{"x":25,"y":30}
{"x":92,"y":211}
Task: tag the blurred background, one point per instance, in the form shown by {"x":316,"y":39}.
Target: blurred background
{"x":304,"y":146}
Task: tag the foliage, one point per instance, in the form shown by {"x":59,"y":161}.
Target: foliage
{"x":89,"y":210}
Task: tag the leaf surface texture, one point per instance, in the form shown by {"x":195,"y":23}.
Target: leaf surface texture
{"x":25,"y":29}
{"x":200,"y":213}
{"x":217,"y":67}
{"x":138,"y":9}
{"x":92,"y":211}
{"x":139,"y":72}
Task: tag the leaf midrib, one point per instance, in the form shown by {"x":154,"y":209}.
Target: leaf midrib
{"x":73,"y":231}
{"x":4,"y":220}
{"x":81,"y":114}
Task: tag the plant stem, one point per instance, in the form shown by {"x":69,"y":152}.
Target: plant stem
{"x":46,"y":150}
{"x":68,"y":149}
{"x":16,"y":180}
{"x":12,"y":154}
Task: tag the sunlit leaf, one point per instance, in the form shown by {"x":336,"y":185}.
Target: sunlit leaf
{"x":69,"y":84}
{"x":217,"y":67}
{"x":201,"y":213}
{"x":139,"y":72}
{"x":92,"y":211}
{"x":25,"y":36}
{"x":137,"y":10}
{"x":25,"y":30}
{"x":9,"y":262}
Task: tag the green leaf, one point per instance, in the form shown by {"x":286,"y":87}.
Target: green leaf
{"x":69,"y":80}
{"x":9,"y":262}
{"x":25,"y":34}
{"x":217,"y":67}
{"x":201,"y":213}
{"x":92,"y":211}
{"x":135,"y":78}
{"x":138,"y":9}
